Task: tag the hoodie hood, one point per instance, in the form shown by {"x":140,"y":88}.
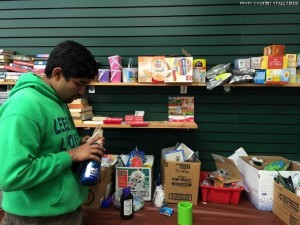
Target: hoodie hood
{"x":36,"y":82}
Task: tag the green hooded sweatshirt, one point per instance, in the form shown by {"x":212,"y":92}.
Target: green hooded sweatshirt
{"x":36,"y":131}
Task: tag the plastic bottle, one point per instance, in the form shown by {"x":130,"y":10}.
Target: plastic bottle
{"x":126,"y":204}
{"x":91,"y":171}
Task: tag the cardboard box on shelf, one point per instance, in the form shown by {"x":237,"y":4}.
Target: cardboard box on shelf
{"x":180,"y":181}
{"x":274,"y":62}
{"x":151,"y":69}
{"x":179,"y":69}
{"x":259,"y":183}
{"x":277,"y":76}
{"x":274,"y":50}
{"x":139,"y":179}
{"x":102,"y":190}
{"x":286,"y":205}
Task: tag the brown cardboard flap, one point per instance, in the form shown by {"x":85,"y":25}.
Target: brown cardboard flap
{"x":228,"y":165}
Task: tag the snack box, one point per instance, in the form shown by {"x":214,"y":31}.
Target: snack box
{"x":178,"y":69}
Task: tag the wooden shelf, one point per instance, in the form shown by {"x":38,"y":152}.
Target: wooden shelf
{"x":143,"y":84}
{"x":152,"y":125}
{"x":7,"y":83}
{"x":174,"y":84}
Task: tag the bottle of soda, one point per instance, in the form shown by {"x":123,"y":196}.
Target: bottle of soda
{"x":126,"y":204}
{"x":91,"y":170}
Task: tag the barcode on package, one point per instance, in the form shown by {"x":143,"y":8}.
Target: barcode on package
{"x":293,"y":220}
{"x":181,"y":197}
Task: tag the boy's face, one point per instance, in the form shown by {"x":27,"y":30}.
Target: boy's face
{"x":72,"y":89}
{"x":69,"y":90}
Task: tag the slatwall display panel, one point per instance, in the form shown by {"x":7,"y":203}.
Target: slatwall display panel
{"x":262,"y":120}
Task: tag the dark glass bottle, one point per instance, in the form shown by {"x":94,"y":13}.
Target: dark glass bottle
{"x":126,"y":204}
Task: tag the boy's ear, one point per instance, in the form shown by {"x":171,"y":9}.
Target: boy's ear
{"x":57,"y":73}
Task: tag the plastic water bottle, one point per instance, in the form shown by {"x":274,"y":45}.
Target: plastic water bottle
{"x":126,"y":204}
{"x":91,"y":171}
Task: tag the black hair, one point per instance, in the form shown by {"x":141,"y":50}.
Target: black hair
{"x":74,"y":59}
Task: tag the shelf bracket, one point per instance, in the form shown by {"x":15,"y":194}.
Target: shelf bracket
{"x":183,"y":89}
{"x":92,"y":89}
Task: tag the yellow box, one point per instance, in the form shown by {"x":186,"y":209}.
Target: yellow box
{"x":277,"y":76}
{"x":199,"y":63}
{"x":291,"y":60}
{"x":273,"y":62}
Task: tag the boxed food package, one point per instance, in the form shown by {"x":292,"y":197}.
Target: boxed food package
{"x":277,"y":76}
{"x":286,"y":205}
{"x":102,"y":190}
{"x":259,"y":183}
{"x":180,"y":181}
{"x":255,"y":62}
{"x":242,"y":63}
{"x":293,"y":75}
{"x":274,"y":62}
{"x":178,"y":69}
{"x":139,"y":179}
{"x":151,"y":69}
{"x":274,"y":50}
{"x":260,"y":77}
{"x":291,"y":60}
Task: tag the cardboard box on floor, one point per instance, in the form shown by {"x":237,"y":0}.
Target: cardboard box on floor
{"x":180,"y":181}
{"x":228,"y":165}
{"x":286,"y":205}
{"x":139,"y":179}
{"x":259,"y":183}
{"x":102,"y":190}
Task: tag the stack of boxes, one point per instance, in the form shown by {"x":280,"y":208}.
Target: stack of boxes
{"x":274,"y":67}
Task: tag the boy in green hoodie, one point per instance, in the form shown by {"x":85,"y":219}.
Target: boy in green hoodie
{"x":39,"y":144}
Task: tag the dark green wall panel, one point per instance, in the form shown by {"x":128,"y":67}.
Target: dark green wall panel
{"x":264,"y":121}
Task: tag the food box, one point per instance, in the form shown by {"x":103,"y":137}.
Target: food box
{"x":274,"y":50}
{"x":277,"y":76}
{"x":274,"y":62}
{"x":178,"y":69}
